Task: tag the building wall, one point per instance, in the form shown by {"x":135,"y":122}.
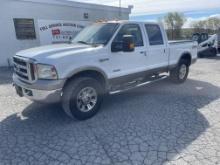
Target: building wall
{"x":10,"y":9}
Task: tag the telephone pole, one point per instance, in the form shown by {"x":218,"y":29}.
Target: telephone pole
{"x":119,"y":9}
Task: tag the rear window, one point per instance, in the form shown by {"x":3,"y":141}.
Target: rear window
{"x":154,"y":34}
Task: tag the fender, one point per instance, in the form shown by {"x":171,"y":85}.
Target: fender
{"x":88,"y":68}
{"x":186,"y":55}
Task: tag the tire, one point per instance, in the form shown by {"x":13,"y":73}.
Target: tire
{"x":214,"y":52}
{"x":200,"y":55}
{"x":82,"y":98}
{"x":176,"y":75}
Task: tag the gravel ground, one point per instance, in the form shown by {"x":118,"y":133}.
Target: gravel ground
{"x":162,"y":123}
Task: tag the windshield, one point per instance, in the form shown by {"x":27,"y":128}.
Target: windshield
{"x":96,"y":34}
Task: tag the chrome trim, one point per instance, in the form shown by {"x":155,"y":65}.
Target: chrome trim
{"x":26,"y":66}
{"x":20,"y":66}
{"x":40,"y":84}
{"x":22,"y":73}
{"x":86,"y":99}
{"x":42,"y":96}
{"x":137,"y":86}
{"x":29,"y":72}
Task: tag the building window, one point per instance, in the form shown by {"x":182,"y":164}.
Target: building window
{"x":86,"y":15}
{"x":24,"y":29}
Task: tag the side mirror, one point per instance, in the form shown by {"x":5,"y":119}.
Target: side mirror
{"x":127,"y":44}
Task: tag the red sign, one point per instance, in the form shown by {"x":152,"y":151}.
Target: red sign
{"x":56,"y":32}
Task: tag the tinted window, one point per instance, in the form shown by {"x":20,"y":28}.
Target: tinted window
{"x":24,"y":28}
{"x":154,"y":34}
{"x":130,"y":29}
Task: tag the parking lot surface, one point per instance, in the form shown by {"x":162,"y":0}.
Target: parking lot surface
{"x":162,"y":123}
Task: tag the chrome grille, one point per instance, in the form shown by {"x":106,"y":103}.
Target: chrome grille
{"x":24,"y":69}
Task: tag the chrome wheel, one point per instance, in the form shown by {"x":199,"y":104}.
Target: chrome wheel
{"x":182,"y":71}
{"x":86,"y":99}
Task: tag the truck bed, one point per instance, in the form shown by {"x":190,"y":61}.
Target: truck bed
{"x":179,"y":41}
{"x":176,"y":49}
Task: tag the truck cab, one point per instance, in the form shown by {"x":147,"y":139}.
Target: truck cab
{"x":104,"y":58}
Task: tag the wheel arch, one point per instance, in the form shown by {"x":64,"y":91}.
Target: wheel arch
{"x":93,"y":72}
{"x":186,"y":56}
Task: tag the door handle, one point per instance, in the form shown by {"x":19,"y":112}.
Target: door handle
{"x":143,"y":52}
{"x":103,"y":59}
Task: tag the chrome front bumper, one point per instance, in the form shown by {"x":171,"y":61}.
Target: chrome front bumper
{"x":47,"y":95}
{"x":42,"y":96}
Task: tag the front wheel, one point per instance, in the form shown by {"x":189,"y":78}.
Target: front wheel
{"x":180,"y":73}
{"x":82,"y":98}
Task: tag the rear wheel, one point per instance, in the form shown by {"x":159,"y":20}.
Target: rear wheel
{"x":180,"y":73}
{"x":82,"y":98}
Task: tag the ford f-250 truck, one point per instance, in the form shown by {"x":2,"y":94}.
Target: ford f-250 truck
{"x":107,"y":57}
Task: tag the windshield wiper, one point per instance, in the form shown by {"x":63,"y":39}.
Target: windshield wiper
{"x":83,"y":42}
{"x":86,"y":43}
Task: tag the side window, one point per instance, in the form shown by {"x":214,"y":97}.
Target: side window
{"x":154,"y":34}
{"x":130,"y":29}
{"x":24,"y":29}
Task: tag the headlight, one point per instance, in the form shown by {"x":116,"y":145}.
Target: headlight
{"x":47,"y":72}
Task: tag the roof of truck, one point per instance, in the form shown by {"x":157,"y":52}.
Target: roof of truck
{"x":129,"y":21}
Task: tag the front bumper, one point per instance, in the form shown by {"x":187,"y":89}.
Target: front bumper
{"x":50,"y":92}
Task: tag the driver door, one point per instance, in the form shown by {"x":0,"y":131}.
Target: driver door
{"x":127,"y":66}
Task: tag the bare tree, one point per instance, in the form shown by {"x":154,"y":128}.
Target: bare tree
{"x":174,"y":22}
{"x":214,"y":24}
{"x":199,"y":26}
{"x":209,"y":25}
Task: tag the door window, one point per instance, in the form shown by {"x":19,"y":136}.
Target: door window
{"x":130,"y":29}
{"x":154,"y":34}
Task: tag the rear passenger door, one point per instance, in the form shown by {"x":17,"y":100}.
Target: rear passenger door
{"x":157,"y":52}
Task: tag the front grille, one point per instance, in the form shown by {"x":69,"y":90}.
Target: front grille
{"x":24,"y":69}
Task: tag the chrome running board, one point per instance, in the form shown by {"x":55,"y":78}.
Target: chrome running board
{"x":138,"y":85}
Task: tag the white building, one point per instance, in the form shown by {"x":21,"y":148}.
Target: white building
{"x":30,"y":23}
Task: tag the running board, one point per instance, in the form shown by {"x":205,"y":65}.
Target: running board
{"x":138,"y":85}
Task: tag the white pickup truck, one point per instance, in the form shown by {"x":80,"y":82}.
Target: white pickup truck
{"x":107,"y":57}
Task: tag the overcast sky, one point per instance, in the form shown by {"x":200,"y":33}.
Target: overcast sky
{"x":152,"y":9}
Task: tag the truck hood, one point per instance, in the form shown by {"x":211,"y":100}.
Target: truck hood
{"x":54,"y":52}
